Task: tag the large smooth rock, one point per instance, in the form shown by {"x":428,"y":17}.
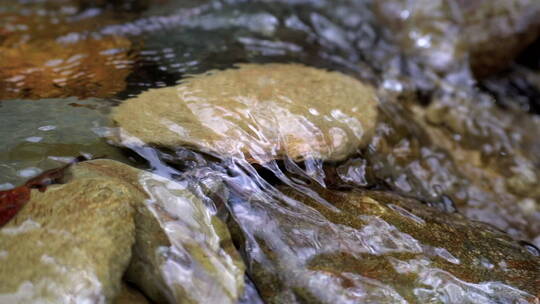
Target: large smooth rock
{"x":261,"y":112}
{"x":443,"y":32}
{"x":77,"y":240}
{"x":375,"y":247}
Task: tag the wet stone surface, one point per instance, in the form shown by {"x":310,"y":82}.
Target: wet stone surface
{"x":368,"y":246}
{"x":119,"y":220}
{"x":307,"y":151}
{"x":42,"y":135}
{"x":272,"y":111}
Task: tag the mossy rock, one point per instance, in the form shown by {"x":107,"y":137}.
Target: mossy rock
{"x":260,"y":112}
{"x":71,"y":243}
{"x":182,"y":252}
{"x":377,"y":247}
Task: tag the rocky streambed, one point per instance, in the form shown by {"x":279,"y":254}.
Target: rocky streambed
{"x":269,"y":151}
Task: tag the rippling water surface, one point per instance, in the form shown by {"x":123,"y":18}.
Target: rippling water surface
{"x":420,"y":185}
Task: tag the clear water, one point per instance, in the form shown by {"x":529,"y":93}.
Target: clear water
{"x":456,"y":144}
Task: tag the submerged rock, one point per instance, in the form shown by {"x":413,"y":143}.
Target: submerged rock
{"x":495,"y":152}
{"x":45,"y":134}
{"x":51,"y":49}
{"x":87,"y":68}
{"x":261,"y":112}
{"x":76,"y":240}
{"x":444,"y":32}
{"x":375,"y":247}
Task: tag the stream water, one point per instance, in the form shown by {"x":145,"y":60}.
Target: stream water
{"x":460,"y":143}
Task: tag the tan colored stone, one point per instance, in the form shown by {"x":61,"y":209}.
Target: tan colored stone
{"x":262,"y":112}
{"x":75,"y":241}
{"x":182,"y":253}
{"x":187,"y":255}
{"x":45,"y":69}
{"x":70,"y":244}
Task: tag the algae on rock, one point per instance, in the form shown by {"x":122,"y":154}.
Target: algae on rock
{"x":376,"y":247}
{"x":109,"y":218}
{"x":260,"y":112}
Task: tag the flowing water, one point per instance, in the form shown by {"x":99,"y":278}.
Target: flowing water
{"x":448,"y":149}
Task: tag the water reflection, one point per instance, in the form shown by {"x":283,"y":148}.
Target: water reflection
{"x":331,"y":194}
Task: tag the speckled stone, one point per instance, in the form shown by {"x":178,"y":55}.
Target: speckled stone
{"x":70,"y":244}
{"x":377,"y":247}
{"x":260,"y":112}
{"x":75,"y":241}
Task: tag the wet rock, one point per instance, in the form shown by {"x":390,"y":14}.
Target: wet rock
{"x":444,"y":32}
{"x":130,"y":295}
{"x":52,"y":49}
{"x":119,"y":219}
{"x":182,"y":253}
{"x":260,"y":112}
{"x":71,"y":243}
{"x":87,"y":68}
{"x":376,"y":247}
{"x":499,"y":168}
{"x":41,"y":135}
{"x":461,"y":152}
